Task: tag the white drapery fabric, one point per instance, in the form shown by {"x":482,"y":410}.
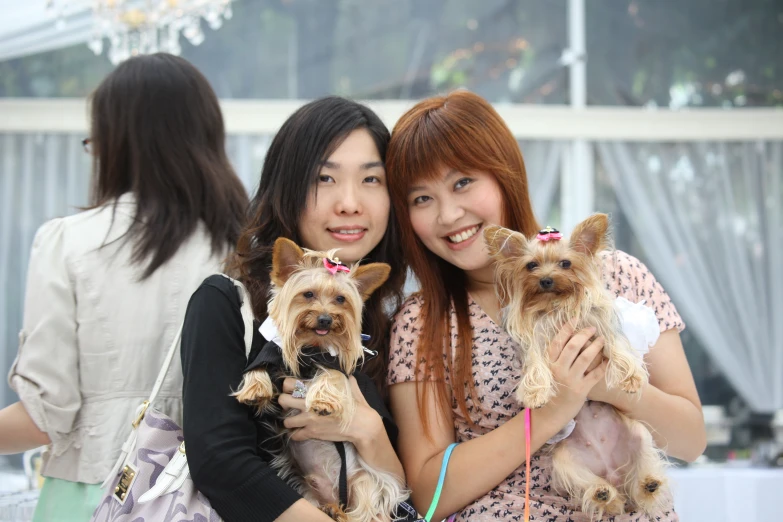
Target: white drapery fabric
{"x":709,"y":217}
{"x":43,"y":176}
{"x":543,"y":161}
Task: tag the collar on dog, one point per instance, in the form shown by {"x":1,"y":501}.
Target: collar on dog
{"x":334,"y":266}
{"x":549,"y":234}
{"x":271,"y":357}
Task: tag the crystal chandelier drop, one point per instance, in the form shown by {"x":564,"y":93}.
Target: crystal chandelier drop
{"x":134,"y":27}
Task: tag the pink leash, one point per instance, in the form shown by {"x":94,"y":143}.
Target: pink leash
{"x":527,"y":464}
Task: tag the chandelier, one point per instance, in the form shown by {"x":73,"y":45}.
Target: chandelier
{"x":134,"y":27}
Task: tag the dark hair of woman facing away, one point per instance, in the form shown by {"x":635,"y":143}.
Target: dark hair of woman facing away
{"x":291,"y":167}
{"x":157,"y":132}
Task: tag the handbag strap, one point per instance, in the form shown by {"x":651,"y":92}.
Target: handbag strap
{"x":247,"y":313}
{"x":164,"y":370}
{"x":246,"y":310}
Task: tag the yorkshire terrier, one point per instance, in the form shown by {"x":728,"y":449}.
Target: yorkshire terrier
{"x":609,"y":461}
{"x":316,"y":303}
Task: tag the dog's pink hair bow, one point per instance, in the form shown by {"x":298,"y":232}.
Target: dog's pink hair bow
{"x":549,"y":234}
{"x":335,"y":266}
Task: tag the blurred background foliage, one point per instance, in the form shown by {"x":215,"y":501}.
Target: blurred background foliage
{"x":665,"y":53}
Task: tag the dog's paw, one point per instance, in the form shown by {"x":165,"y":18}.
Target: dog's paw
{"x":262,"y":405}
{"x":633,"y":383}
{"x":649,"y":496}
{"x":603,"y":498}
{"x":534,"y":398}
{"x":335,"y":512}
{"x":256,"y":389}
{"x":651,"y":485}
{"x":325,"y":407}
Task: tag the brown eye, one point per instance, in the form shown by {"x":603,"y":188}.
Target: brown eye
{"x":309,"y":295}
{"x":565,"y":263}
{"x":531,"y":266}
{"x":340,"y":299}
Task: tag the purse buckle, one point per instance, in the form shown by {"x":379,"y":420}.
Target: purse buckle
{"x":145,"y":405}
{"x":126,"y":481}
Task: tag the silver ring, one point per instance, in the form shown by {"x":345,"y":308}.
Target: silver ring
{"x":300,"y":390}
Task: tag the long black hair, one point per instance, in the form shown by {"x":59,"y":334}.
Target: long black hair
{"x":291,"y":167}
{"x":157,"y":131}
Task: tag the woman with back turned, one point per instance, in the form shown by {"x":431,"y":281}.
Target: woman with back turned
{"x":107,"y":288}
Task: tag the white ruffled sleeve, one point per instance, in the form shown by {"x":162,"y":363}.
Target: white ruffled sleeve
{"x":639,"y":323}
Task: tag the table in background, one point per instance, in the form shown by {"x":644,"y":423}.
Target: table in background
{"x":18,"y":507}
{"x":726,"y":494}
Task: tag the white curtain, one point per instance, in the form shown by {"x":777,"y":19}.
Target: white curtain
{"x":542,"y":162}
{"x":709,"y":219}
{"x":43,"y":176}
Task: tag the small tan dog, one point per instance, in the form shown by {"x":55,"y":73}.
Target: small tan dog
{"x":609,"y":460}
{"x":316,"y":305}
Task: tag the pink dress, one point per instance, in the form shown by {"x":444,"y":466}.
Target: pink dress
{"x":496,"y":374}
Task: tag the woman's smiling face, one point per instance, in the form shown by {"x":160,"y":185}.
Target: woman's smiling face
{"x":348,"y":206}
{"x":448,"y":214}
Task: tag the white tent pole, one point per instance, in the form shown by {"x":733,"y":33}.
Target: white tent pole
{"x":577,"y":193}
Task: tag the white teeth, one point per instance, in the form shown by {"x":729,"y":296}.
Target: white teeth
{"x":353,"y":231}
{"x":462,"y":236}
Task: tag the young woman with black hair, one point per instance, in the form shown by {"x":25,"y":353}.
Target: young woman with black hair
{"x":324,"y":186}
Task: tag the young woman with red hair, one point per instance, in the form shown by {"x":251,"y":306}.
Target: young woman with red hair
{"x":455,"y":167}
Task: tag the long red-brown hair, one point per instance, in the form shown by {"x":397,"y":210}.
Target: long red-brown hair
{"x":458,"y":131}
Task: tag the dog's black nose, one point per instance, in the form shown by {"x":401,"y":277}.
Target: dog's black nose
{"x":546,"y":283}
{"x":324,"y":322}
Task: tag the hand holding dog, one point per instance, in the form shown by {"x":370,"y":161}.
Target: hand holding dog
{"x":601,"y":393}
{"x":618,"y":398}
{"x":364,"y":427}
{"x":577,"y":366}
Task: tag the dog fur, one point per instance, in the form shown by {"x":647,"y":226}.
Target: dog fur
{"x":304,"y":291}
{"x":609,"y":462}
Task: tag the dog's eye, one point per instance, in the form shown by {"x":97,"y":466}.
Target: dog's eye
{"x":309,"y":295}
{"x":340,"y":299}
{"x":565,"y":263}
{"x":531,"y":265}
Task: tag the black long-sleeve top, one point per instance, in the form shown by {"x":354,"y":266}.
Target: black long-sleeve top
{"x":227,"y":443}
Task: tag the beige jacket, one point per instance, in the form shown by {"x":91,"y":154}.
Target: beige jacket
{"x":94,"y":337}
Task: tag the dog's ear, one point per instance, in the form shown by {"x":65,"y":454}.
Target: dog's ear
{"x":370,"y":277}
{"x":503,"y":243}
{"x":286,"y":256}
{"x":589,"y":236}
